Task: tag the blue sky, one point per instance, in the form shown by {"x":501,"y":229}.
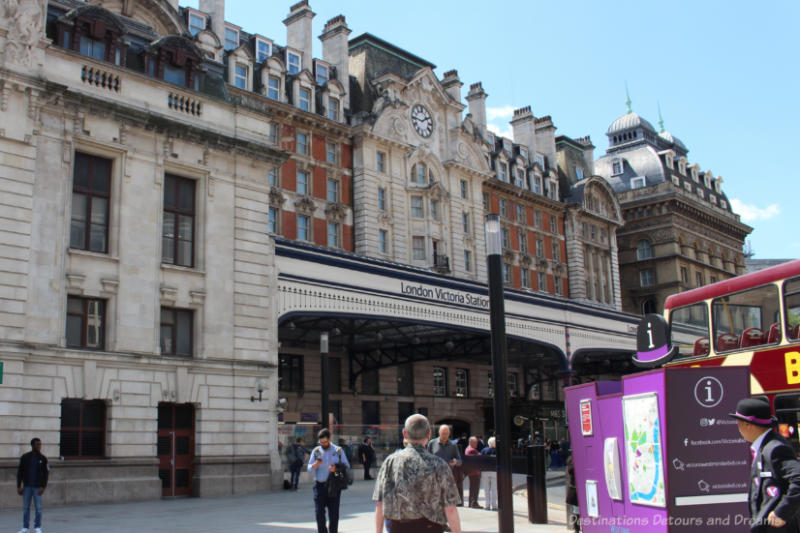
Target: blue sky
{"x":725,"y":75}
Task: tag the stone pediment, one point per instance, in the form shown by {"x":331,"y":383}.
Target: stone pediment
{"x":438,"y":192}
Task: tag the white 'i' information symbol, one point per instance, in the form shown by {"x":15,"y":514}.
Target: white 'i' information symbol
{"x":708,"y":391}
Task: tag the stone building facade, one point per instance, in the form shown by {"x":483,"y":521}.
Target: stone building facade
{"x":679,"y":231}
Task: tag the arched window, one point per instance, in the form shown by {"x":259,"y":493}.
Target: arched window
{"x":644,"y":250}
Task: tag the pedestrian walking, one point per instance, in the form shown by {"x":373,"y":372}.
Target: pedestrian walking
{"x":490,"y":477}
{"x":367,"y":455}
{"x":296,"y":454}
{"x":324,"y":460}
{"x":447,"y":450}
{"x":774,"y":495}
{"x":415,"y":489}
{"x":474,"y":475}
{"x":31,"y":481}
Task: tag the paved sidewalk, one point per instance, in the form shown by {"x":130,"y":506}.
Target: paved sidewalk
{"x":275,"y":512}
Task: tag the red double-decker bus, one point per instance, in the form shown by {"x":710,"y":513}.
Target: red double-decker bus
{"x":750,"y":320}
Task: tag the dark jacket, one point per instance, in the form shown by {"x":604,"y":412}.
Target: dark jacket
{"x":42,"y":470}
{"x":774,"y":484}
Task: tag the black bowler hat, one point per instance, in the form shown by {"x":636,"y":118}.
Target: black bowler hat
{"x":756,"y":411}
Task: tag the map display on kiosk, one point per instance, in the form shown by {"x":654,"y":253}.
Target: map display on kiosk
{"x":643,"y":449}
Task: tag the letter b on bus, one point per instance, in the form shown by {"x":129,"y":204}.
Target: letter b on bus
{"x":792,"y":367}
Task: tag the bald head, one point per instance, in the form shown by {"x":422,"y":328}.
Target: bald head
{"x":417,"y":429}
{"x":444,"y":433}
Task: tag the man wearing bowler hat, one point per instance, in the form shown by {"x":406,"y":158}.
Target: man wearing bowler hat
{"x":774,"y":495}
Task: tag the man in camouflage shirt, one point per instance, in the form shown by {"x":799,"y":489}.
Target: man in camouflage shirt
{"x":415,"y":489}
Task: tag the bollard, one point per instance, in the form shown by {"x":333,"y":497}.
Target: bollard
{"x":537,"y":485}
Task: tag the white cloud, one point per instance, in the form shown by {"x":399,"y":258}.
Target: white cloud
{"x":502,"y":133}
{"x":493,"y":113}
{"x":751,"y":213}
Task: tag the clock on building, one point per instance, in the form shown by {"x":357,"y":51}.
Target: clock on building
{"x":422,"y":120}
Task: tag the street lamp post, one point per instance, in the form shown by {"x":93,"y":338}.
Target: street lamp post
{"x":323,"y":352}
{"x":494,"y":250}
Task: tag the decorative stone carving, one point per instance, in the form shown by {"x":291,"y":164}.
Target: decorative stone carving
{"x":305,"y":205}
{"x":110,"y":286}
{"x":525,"y":260}
{"x":197,"y":297}
{"x":335,"y":212}
{"x":508,"y":256}
{"x":168,"y":294}
{"x":385,"y":219}
{"x":25,"y":30}
{"x":75,"y":282}
{"x":276,"y":197}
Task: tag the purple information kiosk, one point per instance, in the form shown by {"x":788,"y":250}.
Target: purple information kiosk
{"x":657,"y":451}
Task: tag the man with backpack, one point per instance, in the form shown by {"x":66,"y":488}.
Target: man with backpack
{"x":296,"y":454}
{"x":774,"y":494}
{"x":327,"y":462}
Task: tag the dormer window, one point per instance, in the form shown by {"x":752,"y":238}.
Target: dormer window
{"x":616,"y":167}
{"x":333,"y":108}
{"x":273,"y":87}
{"x":540,"y":160}
{"x":240,"y":76}
{"x":304,"y":99}
{"x":579,"y":173}
{"x":502,"y":171}
{"x":718,"y":185}
{"x":231,"y":38}
{"x":322,"y":73}
{"x":197,"y":23}
{"x":523,"y":152}
{"x":175,"y":60}
{"x":263,"y":50}
{"x":682,"y":166}
{"x":694,"y":174}
{"x":707,"y":180}
{"x":669,"y":161}
{"x":520,"y":181}
{"x":94,"y":32}
{"x":638,"y":182}
{"x":292,"y":62}
{"x":491,"y":140}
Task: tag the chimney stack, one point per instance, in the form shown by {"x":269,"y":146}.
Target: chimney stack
{"x":452,"y":85}
{"x":298,"y":32}
{"x":477,"y":106}
{"x":336,"y":52}
{"x":216,"y":9}
{"x":523,"y":128}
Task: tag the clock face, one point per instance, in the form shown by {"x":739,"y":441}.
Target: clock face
{"x":422,"y":120}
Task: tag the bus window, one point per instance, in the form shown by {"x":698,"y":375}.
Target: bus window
{"x":689,"y":328}
{"x":743,"y":320}
{"x":791,"y":302}
{"x":787,"y":411}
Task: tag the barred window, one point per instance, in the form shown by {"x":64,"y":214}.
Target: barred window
{"x":83,"y":429}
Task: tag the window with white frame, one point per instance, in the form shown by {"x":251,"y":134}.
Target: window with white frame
{"x":263,"y":50}
{"x":462,"y":383}
{"x":292,"y":62}
{"x":333,"y":234}
{"x":417,"y":207}
{"x":381,"y":199}
{"x":197,"y":23}
{"x":505,"y":238}
{"x":468,"y":260}
{"x":556,"y":246}
{"x":503,"y":204}
{"x":439,"y":381}
{"x":557,"y":282}
{"x":333,"y":108}
{"x":231,"y":39}
{"x":668,"y":159}
{"x":520,"y":213}
{"x":540,"y":160}
{"x":418,"y":247}
{"x":333,"y":190}
{"x":321,"y":73}
{"x":502,"y":171}
{"x":465,"y":225}
{"x":419,"y":173}
{"x":553,"y":224}
{"x":273,"y":133}
{"x":383,"y":241}
{"x":506,"y":273}
{"x":638,"y":182}
{"x":541,"y":281}
{"x":435,"y":215}
{"x":537,"y":218}
{"x":522,"y":242}
{"x":676,"y":181}
{"x":304,"y":227}
{"x":273,"y":220}
{"x":304,"y":99}
{"x":537,"y":185}
{"x":520,"y":182}
{"x":539,"y":248}
{"x":486,"y":201}
{"x":646,"y":277}
{"x":330,"y":152}
{"x":464,"y":189}
{"x":380,"y":161}
{"x":240,"y":75}
{"x":302,"y":143}
{"x":273,"y":177}
{"x":525,"y":277}
{"x":616,"y":166}
{"x":273,"y":87}
{"x":302,"y":182}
